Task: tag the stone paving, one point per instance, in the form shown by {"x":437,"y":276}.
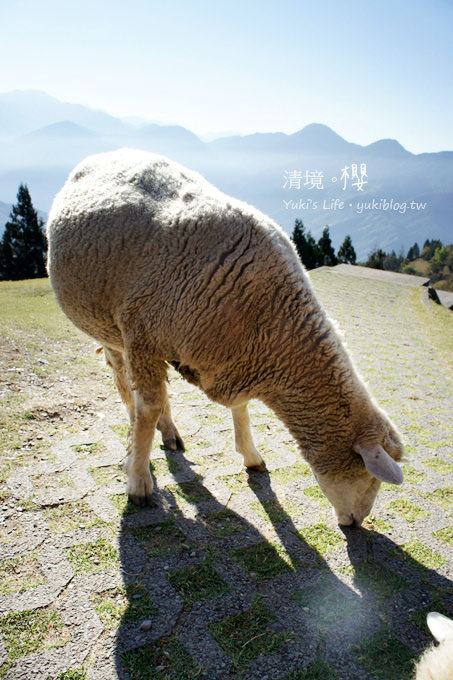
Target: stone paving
{"x":236,"y":575}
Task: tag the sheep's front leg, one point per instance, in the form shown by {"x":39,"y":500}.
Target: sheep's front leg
{"x":243,"y":438}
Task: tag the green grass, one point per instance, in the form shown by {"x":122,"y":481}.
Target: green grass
{"x":164,"y":466}
{"x":370,"y":575}
{"x":20,"y":573}
{"x":240,"y":482}
{"x":411,"y":475}
{"x":70,"y":516}
{"x":223,"y":523}
{"x":164,"y":660}
{"x":444,"y":535}
{"x":124,"y":505}
{"x":247,"y":635}
{"x":276,"y":511}
{"x":73,"y":674}
{"x":31,"y":631}
{"x":419,"y":556}
{"x":442,"y":497}
{"x":198,"y":583}
{"x":160,"y":539}
{"x":408,"y":510}
{"x":317,"y":670}
{"x":315,"y":493}
{"x":107,"y":474}
{"x":96,"y":556}
{"x":265,"y":560}
{"x":439,"y":465}
{"x":384,"y":657}
{"x":189,"y":492}
{"x":125,"y":604}
{"x":282,"y":476}
{"x":321,"y":538}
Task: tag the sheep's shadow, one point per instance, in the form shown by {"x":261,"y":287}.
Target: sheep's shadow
{"x":210,"y":594}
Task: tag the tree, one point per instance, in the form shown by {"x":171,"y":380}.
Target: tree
{"x":376,"y":258}
{"x":346,"y":252}
{"x":327,"y":255}
{"x":24,"y":246}
{"x":429,"y":248}
{"x":413,"y":252}
{"x":305,"y":245}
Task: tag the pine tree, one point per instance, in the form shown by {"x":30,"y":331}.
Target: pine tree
{"x":346,"y":252}
{"x":327,"y":255}
{"x":23,"y":251}
{"x":413,"y":252}
{"x":305,"y":245}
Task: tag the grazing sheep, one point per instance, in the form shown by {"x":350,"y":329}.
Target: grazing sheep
{"x":160,"y":267}
{"x":437,"y":662}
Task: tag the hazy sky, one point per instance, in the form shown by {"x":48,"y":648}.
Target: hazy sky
{"x":370,"y":69}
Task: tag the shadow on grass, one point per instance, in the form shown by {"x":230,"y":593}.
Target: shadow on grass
{"x":206,"y":595}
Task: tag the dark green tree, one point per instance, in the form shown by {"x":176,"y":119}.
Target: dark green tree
{"x":413,"y":252}
{"x":327,"y":255}
{"x":376,"y":259}
{"x":429,"y":248}
{"x":24,"y":246}
{"x":346,"y":253}
{"x":305,"y":245}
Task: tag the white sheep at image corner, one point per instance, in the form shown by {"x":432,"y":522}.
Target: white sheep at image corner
{"x":161,"y":268}
{"x":437,"y":662}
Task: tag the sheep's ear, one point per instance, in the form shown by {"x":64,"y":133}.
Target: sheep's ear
{"x":440,"y":626}
{"x":380,"y":464}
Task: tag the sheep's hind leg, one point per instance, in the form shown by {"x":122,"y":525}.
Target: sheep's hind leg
{"x":148,"y":382}
{"x":243,"y":439}
{"x":170,"y":435}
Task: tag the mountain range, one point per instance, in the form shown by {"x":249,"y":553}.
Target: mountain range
{"x":380,"y":194}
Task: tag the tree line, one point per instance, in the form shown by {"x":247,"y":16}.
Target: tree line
{"x":321,"y":253}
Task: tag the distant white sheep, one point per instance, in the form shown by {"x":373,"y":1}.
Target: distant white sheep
{"x":437,"y":662}
{"x":159,"y":266}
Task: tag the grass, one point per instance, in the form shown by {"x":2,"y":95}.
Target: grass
{"x":439,"y":465}
{"x":160,"y":539}
{"x":444,"y":535}
{"x":442,"y":497}
{"x":384,"y":657}
{"x":89,"y":557}
{"x":240,"y":482}
{"x":189,"y":492}
{"x":320,"y":538}
{"x":123,"y":605}
{"x":223,"y":523}
{"x":419,"y":556}
{"x":282,"y":476}
{"x":166,"y":660}
{"x":70,"y":516}
{"x":370,"y":575}
{"x":248,"y":635}
{"x":315,"y":493}
{"x":20,"y":573}
{"x":410,"y":511}
{"x":317,"y":670}
{"x":198,"y":583}
{"x":26,"y":632}
{"x":275,"y":510}
{"x":265,"y":560}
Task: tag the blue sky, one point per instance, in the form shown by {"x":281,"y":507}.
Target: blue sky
{"x":369,"y":69}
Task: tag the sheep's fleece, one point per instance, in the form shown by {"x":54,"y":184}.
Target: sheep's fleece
{"x":160,"y":267}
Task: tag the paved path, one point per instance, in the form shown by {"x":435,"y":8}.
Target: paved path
{"x":233,"y":575}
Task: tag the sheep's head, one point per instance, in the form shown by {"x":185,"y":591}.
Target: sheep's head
{"x":352,"y":487}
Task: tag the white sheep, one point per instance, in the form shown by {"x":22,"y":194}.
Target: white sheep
{"x":160,"y":267}
{"x":437,"y":662}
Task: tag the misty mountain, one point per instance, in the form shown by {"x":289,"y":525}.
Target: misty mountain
{"x":380,"y":194}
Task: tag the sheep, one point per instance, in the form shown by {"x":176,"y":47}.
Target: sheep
{"x":437,"y":662}
{"x":162,"y":268}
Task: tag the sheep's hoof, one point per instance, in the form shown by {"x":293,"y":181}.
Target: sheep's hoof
{"x":261,"y":467}
{"x":174,"y":443}
{"x":143,"y":501}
